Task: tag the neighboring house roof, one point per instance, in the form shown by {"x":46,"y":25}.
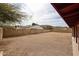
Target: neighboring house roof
{"x":68,"y":11}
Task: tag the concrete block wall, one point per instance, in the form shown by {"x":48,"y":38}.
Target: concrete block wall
{"x":11,"y":32}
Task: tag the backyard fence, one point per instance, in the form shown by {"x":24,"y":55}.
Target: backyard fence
{"x":10,"y":32}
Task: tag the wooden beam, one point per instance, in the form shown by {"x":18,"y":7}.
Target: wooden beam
{"x":72,"y":14}
{"x":70,"y":8}
{"x":74,"y":18}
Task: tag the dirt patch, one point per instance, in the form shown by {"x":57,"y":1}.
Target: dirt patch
{"x":45,"y":44}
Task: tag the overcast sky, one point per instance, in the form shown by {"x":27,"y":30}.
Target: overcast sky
{"x":43,"y":14}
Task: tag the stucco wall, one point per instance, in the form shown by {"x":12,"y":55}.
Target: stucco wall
{"x":75,"y":47}
{"x":1,"y":33}
{"x":75,"y":41}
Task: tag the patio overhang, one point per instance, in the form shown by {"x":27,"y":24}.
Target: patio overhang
{"x":68,"y":11}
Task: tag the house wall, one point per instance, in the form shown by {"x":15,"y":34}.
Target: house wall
{"x":78,"y":35}
{"x":75,"y":39}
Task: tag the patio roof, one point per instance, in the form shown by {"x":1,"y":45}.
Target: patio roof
{"x":68,"y":11}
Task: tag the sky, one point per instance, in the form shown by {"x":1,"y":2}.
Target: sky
{"x":42,"y":14}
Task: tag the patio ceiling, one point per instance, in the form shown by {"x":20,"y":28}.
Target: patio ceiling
{"x":68,"y":11}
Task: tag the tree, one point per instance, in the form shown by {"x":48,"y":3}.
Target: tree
{"x":10,"y":13}
{"x":33,"y":24}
